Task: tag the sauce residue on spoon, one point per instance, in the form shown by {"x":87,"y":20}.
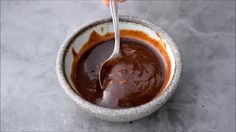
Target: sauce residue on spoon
{"x":139,"y":75}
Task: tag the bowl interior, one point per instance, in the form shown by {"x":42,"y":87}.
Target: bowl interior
{"x":79,"y":38}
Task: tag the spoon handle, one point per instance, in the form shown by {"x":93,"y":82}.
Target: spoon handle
{"x":115,"y":20}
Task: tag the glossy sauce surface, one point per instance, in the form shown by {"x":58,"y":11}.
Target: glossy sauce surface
{"x":136,"y":78}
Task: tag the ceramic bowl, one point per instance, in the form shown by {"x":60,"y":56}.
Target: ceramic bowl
{"x":78,"y":39}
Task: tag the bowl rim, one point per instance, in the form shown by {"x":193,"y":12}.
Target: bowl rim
{"x":135,"y":112}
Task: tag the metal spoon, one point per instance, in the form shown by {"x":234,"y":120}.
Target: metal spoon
{"x":104,"y":68}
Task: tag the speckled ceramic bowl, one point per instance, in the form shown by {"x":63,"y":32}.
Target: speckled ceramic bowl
{"x":80,"y":36}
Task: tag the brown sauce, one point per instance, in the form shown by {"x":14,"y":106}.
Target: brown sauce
{"x":136,"y":78}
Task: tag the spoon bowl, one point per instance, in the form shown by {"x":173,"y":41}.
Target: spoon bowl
{"x":105,"y":70}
